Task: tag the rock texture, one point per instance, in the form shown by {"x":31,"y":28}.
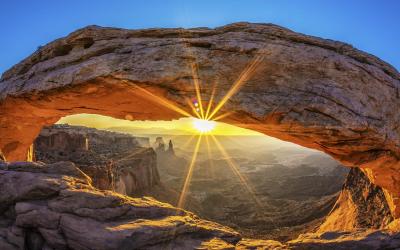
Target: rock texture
{"x":114,"y":161}
{"x":291,"y":200}
{"x":58,"y":208}
{"x":362,"y":239}
{"x":2,"y":157}
{"x":61,"y":142}
{"x":318,"y":93}
{"x":361,"y":204}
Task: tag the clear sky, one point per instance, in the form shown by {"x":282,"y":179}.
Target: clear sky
{"x":370,"y":25}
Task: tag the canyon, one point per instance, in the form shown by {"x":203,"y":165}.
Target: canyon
{"x":113,"y":161}
{"x":128,"y":165}
{"x":292,"y":197}
{"x":58,"y":208}
{"x":61,"y":201}
{"x":317,"y":93}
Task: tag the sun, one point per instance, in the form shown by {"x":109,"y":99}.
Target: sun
{"x":203,"y":126}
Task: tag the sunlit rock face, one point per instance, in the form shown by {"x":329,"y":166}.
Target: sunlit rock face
{"x":114,"y":161}
{"x":2,"y":157}
{"x":61,"y":141}
{"x":361,"y":204}
{"x":318,"y":93}
{"x":58,"y":208}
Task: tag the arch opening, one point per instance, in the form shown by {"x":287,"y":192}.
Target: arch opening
{"x":240,"y":178}
{"x":320,"y":94}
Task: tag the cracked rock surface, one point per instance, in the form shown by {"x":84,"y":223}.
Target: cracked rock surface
{"x":55,"y":206}
{"x":315,"y":92}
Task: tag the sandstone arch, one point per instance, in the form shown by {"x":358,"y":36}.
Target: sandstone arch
{"x":317,"y":93}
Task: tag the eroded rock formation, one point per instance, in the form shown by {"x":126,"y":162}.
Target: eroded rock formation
{"x":2,"y":157}
{"x":114,"y":161}
{"x":361,"y":204}
{"x":58,"y":208}
{"x":61,"y":142}
{"x":318,"y":93}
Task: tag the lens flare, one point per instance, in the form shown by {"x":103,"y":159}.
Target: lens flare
{"x":203,"y":126}
{"x":185,"y":188}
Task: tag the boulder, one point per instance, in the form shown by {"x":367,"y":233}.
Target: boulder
{"x":361,"y":205}
{"x":62,"y":210}
{"x":315,"y":92}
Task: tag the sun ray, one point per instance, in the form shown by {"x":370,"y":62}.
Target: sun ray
{"x":222,"y":116}
{"x":193,"y":108}
{"x":163,"y":101}
{"x":209,"y":155}
{"x":182,"y":197}
{"x":203,"y":126}
{"x":210,"y":102}
{"x":188,"y":142}
{"x":243,"y":77}
{"x":195,"y":76}
{"x":132,"y":154}
{"x":236,"y":171}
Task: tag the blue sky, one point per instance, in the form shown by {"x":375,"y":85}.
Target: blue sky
{"x":370,"y":25}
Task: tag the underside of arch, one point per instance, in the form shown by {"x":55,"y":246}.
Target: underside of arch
{"x":318,"y":93}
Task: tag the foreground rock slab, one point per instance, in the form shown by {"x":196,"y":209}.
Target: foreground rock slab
{"x":364,"y":239}
{"x":360,"y":204}
{"x":55,"y":206}
{"x":315,"y":92}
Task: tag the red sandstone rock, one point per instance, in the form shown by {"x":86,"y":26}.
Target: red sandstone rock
{"x":361,"y":205}
{"x":114,"y":161}
{"x":318,"y":93}
{"x":60,"y":211}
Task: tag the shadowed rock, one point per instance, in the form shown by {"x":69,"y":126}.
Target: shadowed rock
{"x":318,"y":93}
{"x":58,"y":211}
{"x":361,"y":204}
{"x":42,"y":207}
{"x":114,"y":161}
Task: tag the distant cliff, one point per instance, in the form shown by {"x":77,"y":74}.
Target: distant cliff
{"x":114,"y":161}
{"x":169,"y":164}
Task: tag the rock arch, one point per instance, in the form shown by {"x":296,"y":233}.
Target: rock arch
{"x":318,"y":93}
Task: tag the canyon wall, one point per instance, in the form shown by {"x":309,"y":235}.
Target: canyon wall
{"x":361,"y":205}
{"x":139,"y":179}
{"x":114,"y":161}
{"x":318,"y":93}
{"x":58,"y":208}
{"x":62,"y":142}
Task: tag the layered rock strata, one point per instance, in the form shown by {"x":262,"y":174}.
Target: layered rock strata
{"x":114,"y":161}
{"x":318,"y":93}
{"x":58,"y":208}
{"x":361,"y":205}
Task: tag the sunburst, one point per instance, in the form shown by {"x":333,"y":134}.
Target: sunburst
{"x":205,"y":120}
{"x":182,"y":197}
{"x":204,"y":126}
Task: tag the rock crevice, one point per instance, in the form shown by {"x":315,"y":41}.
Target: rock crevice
{"x":318,"y":93}
{"x":58,"y":208}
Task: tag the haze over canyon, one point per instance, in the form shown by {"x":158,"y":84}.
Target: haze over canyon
{"x":333,"y":182}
